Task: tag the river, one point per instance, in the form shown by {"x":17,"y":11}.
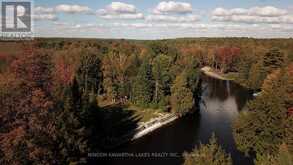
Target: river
{"x":221,"y":103}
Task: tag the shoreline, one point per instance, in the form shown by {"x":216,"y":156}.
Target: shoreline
{"x":145,"y":129}
{"x":209,"y":72}
{"x":158,"y":123}
{"x":154,"y":124}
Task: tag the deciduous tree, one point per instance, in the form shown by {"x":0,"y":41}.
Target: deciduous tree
{"x":209,"y":154}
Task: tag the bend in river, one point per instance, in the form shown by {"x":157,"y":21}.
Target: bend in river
{"x":220,"y":105}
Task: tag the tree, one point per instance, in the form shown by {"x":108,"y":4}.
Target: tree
{"x":66,"y":64}
{"x":143,"y":87}
{"x":71,"y":134}
{"x":243,"y":66}
{"x":29,"y":132}
{"x":39,"y":125}
{"x":193,"y":79}
{"x":283,"y":157}
{"x":225,"y":56}
{"x":117,"y":68}
{"x":256,"y":76}
{"x":289,"y":134}
{"x":181,"y":96}
{"x":262,"y":127}
{"x":162,"y":78}
{"x":274,"y":59}
{"x":209,"y":154}
{"x":89,"y":73}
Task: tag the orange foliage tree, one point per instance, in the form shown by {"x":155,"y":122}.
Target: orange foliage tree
{"x":26,"y":108}
{"x":225,"y":56}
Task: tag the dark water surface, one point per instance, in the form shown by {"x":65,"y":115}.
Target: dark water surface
{"x":221,"y":103}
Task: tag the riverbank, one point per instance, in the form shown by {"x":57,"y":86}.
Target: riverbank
{"x":145,"y":128}
{"x":219,"y":108}
{"x":152,"y":125}
{"x":155,"y":120}
{"x":231,"y":76}
{"x":209,"y":72}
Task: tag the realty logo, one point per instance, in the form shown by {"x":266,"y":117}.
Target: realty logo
{"x":16,"y":16}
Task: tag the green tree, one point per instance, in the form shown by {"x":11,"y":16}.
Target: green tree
{"x":209,"y":154}
{"x":193,"y":78}
{"x":71,"y":134}
{"x":274,"y":59}
{"x":143,"y":87}
{"x":283,"y":157}
{"x":256,"y":76}
{"x":243,"y":66}
{"x":289,"y":134}
{"x":262,"y":127}
{"x":181,"y":96}
{"x":162,"y":78}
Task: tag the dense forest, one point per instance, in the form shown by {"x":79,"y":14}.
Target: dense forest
{"x":57,"y":94}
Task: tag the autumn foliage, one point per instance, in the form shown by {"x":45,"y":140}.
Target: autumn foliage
{"x":26,"y":108}
{"x":49,"y":92}
{"x":225,"y":56}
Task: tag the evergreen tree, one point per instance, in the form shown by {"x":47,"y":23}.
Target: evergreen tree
{"x":256,"y":76}
{"x":162,"y":78}
{"x":283,"y":157}
{"x":289,"y":134}
{"x":193,"y":79}
{"x":143,"y":87}
{"x":71,"y":134}
{"x":243,"y":67}
{"x":181,"y":98}
{"x":210,"y":154}
{"x":273,"y":59}
{"x":262,"y":128}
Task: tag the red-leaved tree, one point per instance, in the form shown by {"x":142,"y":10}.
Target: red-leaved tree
{"x":225,"y":56}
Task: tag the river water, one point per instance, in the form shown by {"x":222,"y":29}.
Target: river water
{"x":221,"y":103}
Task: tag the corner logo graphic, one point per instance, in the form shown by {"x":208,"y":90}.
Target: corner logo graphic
{"x":16,"y":16}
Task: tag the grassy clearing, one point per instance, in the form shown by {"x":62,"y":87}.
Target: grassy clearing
{"x":144,"y":114}
{"x":138,"y":113}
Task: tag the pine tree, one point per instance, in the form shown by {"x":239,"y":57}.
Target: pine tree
{"x":262,"y":127}
{"x":162,"y":78}
{"x":142,"y":91}
{"x":71,"y":133}
{"x":283,"y":157}
{"x":209,"y":154}
{"x":256,"y":76}
{"x":289,"y":134}
{"x":193,"y":79}
{"x":243,"y":67}
{"x":181,"y":98}
{"x":274,"y":59}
